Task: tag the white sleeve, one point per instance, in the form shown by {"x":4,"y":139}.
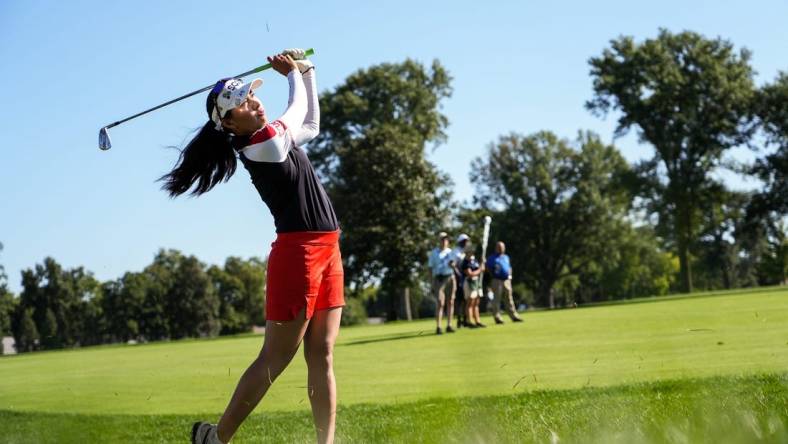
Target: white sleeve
{"x":270,"y":144}
{"x":311,"y":125}
{"x":274,"y":141}
{"x":296,"y":104}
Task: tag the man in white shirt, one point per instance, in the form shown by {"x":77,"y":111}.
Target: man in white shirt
{"x":444,"y":285}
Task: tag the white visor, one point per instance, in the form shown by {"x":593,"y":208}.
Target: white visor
{"x":233,"y":94}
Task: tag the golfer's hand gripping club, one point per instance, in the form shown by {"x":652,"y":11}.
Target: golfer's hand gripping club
{"x":299,"y":55}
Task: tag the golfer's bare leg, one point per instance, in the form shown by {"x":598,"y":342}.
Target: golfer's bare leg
{"x":321,"y":385}
{"x":279,"y":346}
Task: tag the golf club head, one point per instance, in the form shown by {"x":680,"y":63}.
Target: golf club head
{"x":104,"y":142}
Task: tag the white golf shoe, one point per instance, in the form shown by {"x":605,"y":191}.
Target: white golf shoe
{"x":204,"y":433}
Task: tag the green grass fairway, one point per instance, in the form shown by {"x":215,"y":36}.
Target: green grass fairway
{"x":619,"y":373}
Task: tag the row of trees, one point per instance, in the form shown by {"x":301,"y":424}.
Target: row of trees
{"x":591,"y":236}
{"x":176,"y":296}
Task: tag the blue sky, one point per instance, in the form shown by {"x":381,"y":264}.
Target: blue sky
{"x":70,"y":68}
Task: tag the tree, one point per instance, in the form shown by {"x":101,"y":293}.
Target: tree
{"x":691,"y":99}
{"x":48,"y":331}
{"x":371,"y":152}
{"x":182,"y":291}
{"x":772,"y":169}
{"x":636,"y":267}
{"x":773,"y":267}
{"x":124,"y":306}
{"x":558,"y":207}
{"x":722,"y":214}
{"x":25,"y":332}
{"x":158,"y":281}
{"x":7,"y":305}
{"x":7,"y":309}
{"x":192,"y":304}
{"x":58,"y":299}
{"x":763,"y":246}
{"x":240,"y":286}
{"x":765,"y":229}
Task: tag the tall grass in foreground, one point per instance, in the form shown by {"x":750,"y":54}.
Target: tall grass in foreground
{"x":752,"y":409}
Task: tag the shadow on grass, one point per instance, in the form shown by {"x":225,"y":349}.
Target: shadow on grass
{"x":388,"y":337}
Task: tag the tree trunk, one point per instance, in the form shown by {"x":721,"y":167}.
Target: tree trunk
{"x":406,"y":303}
{"x":546,"y":294}
{"x":725,"y":263}
{"x":684,"y":237}
{"x":727,"y":271}
{"x":685,"y":269}
{"x":391,"y":312}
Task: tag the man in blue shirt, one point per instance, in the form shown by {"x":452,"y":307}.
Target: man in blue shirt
{"x":501,"y":270}
{"x":443,"y":283}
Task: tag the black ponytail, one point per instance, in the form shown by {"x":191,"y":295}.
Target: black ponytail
{"x":209,"y":158}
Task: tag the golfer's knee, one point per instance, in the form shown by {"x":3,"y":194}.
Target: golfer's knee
{"x":320,"y":354}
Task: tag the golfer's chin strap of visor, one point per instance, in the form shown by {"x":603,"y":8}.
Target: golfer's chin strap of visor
{"x":218,"y":126}
{"x":217,"y":89}
{"x":218,"y":120}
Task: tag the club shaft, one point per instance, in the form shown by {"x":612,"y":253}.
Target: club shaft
{"x":309,"y":52}
{"x":485,"y":240}
{"x":159,"y":106}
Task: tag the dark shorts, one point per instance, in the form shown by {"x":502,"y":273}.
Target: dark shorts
{"x":304,"y":272}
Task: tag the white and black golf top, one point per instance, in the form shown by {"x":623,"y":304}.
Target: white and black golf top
{"x":281,"y":170}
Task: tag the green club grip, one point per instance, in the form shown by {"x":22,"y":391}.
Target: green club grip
{"x":308,"y":52}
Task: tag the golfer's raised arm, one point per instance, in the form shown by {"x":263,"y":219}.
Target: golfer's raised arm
{"x":311,"y":126}
{"x":296,"y":104}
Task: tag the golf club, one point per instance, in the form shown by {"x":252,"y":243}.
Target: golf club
{"x":486,"y":236}
{"x":485,"y":240}
{"x":104,"y":141}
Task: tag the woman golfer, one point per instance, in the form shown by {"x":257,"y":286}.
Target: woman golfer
{"x":305,"y":281}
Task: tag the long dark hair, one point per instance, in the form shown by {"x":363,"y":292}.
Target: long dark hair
{"x":209,"y":158}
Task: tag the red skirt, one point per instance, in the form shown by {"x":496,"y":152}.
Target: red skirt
{"x":304,"y":271}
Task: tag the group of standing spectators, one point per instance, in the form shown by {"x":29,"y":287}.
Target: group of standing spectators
{"x":457,"y":278}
